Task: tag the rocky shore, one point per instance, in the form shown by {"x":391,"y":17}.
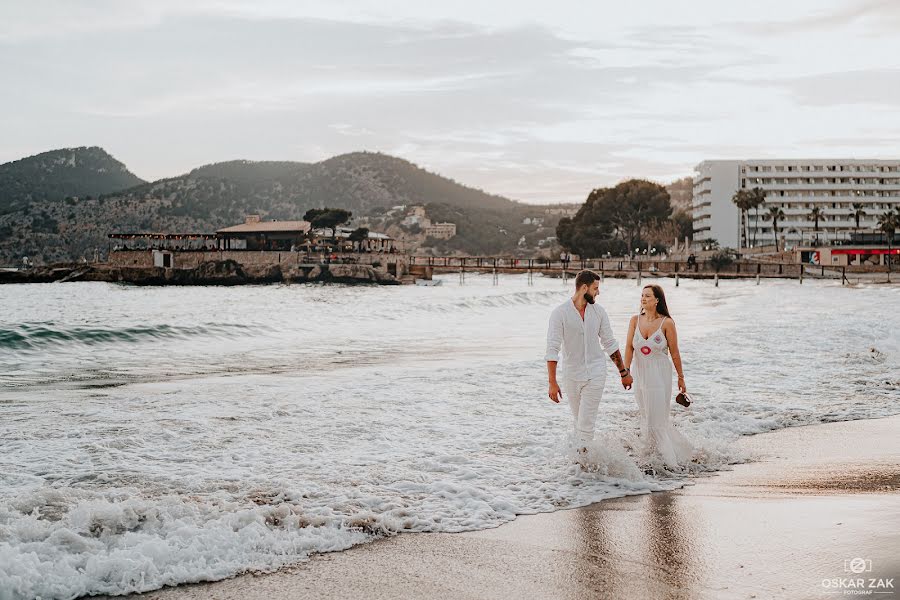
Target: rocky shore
{"x":224,"y":272}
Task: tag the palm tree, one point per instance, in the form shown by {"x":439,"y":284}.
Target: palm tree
{"x":888,"y":223}
{"x":858,"y":212}
{"x":756,"y":198}
{"x":815,"y":214}
{"x":775,"y":214}
{"x":741,"y":199}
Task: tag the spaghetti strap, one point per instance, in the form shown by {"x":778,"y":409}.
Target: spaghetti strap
{"x":658,"y":328}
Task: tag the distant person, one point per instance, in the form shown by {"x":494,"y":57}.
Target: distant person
{"x":653,"y":348}
{"x":691,"y":260}
{"x":579,"y":329}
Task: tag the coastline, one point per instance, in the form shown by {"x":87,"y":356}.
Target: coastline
{"x":781,"y":527}
{"x":220,"y":272}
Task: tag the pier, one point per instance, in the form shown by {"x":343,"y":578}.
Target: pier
{"x":424,"y":267}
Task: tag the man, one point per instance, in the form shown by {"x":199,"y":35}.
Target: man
{"x":581,"y":329}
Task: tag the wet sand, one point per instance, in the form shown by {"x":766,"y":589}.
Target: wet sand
{"x":819,"y":497}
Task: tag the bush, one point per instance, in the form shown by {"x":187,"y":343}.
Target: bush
{"x":722,"y":259}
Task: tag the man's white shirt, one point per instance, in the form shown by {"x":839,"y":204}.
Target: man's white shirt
{"x":585,"y":345}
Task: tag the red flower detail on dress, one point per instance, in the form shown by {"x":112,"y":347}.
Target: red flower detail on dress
{"x":645,"y":350}
{"x":657,"y":339}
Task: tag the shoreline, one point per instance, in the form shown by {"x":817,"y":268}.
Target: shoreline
{"x":784,"y":525}
{"x":213,"y":273}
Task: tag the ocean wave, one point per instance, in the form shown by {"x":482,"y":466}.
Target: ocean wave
{"x":28,"y":336}
{"x":65,"y":543}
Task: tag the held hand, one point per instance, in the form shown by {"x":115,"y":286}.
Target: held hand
{"x":681,"y":386}
{"x":554,"y":393}
{"x":627,"y":382}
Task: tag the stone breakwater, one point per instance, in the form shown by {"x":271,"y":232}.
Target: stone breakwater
{"x":217,"y":272}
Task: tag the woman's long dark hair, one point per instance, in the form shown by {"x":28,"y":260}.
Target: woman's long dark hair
{"x":662,"y":308}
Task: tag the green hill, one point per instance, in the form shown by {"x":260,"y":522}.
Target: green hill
{"x":52,"y":176}
{"x":221,"y":194}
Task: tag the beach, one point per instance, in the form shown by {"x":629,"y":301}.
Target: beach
{"x":783,"y":526}
{"x":160,"y":437}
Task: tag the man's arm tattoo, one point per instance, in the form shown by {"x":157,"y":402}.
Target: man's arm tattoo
{"x":616,"y":357}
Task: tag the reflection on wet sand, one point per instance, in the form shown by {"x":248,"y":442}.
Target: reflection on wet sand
{"x":644,"y":546}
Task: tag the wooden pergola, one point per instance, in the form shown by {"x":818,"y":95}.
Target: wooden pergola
{"x":162,"y":240}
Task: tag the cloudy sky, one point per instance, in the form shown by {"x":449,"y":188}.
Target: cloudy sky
{"x":538,"y":101}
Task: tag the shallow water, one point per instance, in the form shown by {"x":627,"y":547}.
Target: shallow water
{"x":153,"y":436}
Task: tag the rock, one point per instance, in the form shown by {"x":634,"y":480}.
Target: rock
{"x":348,"y":273}
{"x":217,"y":272}
{"x":265,"y":274}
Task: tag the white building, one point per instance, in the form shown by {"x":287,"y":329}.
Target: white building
{"x":796,"y":186}
{"x":441,"y":231}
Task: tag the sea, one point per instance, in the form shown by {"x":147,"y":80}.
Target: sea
{"x":154,"y":436}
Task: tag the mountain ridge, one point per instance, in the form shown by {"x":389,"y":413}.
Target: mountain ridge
{"x":215,"y":195}
{"x":56,"y":174}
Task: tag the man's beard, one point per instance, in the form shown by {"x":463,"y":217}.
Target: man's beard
{"x":589,"y":298}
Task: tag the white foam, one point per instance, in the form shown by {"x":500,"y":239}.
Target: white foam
{"x":372,"y":411}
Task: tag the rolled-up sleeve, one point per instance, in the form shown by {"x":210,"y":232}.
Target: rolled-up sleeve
{"x":607,"y":337}
{"x":554,"y":337}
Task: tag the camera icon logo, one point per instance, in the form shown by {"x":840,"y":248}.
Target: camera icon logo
{"x":857,"y":565}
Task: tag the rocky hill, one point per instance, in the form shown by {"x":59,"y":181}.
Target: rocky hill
{"x":52,"y":176}
{"x":55,"y":219}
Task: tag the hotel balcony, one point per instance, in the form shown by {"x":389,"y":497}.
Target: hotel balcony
{"x":837,"y":187}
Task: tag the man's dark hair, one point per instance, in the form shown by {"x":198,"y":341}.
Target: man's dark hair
{"x":586,"y":277}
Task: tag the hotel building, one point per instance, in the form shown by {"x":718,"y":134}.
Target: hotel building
{"x":796,"y":186}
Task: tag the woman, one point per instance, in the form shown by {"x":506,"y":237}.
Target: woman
{"x":653,"y":340}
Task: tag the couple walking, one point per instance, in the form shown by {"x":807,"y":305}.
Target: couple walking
{"x":580,"y":330}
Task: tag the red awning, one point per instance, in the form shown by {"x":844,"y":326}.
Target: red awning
{"x":856,"y":251}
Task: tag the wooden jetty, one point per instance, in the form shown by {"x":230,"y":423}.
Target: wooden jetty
{"x":425,"y":266}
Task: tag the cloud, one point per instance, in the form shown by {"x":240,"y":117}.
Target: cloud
{"x":526,"y":99}
{"x":877,"y":16}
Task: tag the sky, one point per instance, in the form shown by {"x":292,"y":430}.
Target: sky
{"x":536,"y":101}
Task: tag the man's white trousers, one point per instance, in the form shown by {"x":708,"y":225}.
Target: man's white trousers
{"x":584,"y":400}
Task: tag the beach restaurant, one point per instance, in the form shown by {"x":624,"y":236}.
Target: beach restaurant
{"x":254,"y":234}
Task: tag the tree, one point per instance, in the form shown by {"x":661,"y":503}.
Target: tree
{"x":591,"y":231}
{"x":637,"y":204}
{"x":816,"y":214}
{"x":358,"y":235}
{"x":756,"y":198}
{"x":858,"y":212}
{"x":742,"y":200}
{"x":328,"y":218}
{"x":775,"y":214}
{"x":888,"y":223}
{"x":685,"y":224}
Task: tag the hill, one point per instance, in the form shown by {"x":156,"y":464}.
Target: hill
{"x":52,"y":176}
{"x":213,"y":196}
